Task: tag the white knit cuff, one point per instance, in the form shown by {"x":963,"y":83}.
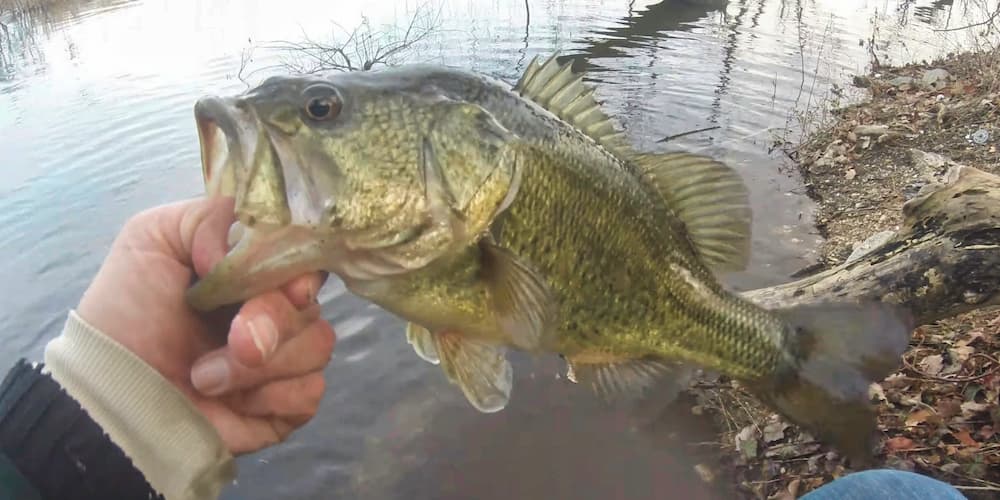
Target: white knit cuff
{"x":158,"y":428}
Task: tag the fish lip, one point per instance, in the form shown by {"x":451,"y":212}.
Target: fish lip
{"x":218,"y":123}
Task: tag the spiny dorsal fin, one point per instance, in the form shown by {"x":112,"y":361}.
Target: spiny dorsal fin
{"x":520,"y":298}
{"x":557,"y":88}
{"x":614,"y":378}
{"x":481,"y":370}
{"x":712,"y":201}
{"x":422,"y":341}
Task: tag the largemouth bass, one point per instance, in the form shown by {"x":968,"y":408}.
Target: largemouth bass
{"x":495,"y":217}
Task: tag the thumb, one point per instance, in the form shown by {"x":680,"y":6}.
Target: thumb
{"x":194,"y":231}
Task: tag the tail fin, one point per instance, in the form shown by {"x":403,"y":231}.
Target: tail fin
{"x":838,"y":351}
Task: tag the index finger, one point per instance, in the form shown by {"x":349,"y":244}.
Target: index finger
{"x":303,"y":290}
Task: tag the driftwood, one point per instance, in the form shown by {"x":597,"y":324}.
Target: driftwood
{"x":943,"y":261}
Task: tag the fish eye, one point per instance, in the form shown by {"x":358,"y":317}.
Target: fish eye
{"x":322,"y":102}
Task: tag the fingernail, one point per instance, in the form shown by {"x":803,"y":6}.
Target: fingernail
{"x":211,"y":376}
{"x":263,"y":333}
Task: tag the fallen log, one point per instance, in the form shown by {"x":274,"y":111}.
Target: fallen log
{"x":943,"y":261}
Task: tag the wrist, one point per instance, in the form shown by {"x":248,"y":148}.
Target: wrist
{"x":155,"y":424}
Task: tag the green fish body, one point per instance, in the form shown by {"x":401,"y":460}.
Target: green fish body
{"x":495,"y":218}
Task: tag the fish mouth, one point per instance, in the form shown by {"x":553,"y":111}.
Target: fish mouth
{"x":267,"y":249}
{"x":239,"y":160}
{"x":223,"y":155}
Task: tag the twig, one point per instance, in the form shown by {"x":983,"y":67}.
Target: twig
{"x":676,"y":136}
{"x":976,"y":488}
{"x":973,"y":25}
{"x":750,"y":416}
{"x":996,"y":368}
{"x":963,"y":476}
{"x":729,"y":418}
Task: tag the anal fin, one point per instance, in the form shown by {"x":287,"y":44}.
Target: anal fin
{"x":480,"y":369}
{"x":626,"y":377}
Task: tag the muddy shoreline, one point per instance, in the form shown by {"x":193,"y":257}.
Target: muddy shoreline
{"x":938,"y":414}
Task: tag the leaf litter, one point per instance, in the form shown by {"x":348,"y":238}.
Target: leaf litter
{"x":938,"y":414}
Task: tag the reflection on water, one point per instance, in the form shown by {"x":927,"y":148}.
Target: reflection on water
{"x":95,"y":124}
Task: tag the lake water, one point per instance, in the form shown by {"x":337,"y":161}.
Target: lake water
{"x":96,"y":124}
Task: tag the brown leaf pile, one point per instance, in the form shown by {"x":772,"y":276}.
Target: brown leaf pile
{"x":939,"y":413}
{"x":858,"y":167}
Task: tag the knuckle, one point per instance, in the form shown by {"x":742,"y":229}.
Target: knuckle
{"x":274,"y":305}
{"x":327,"y":339}
{"x":315,"y":386}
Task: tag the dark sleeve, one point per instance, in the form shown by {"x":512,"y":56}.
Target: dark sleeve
{"x":56,"y":447}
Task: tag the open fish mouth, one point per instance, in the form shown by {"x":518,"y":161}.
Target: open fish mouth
{"x":223,"y":155}
{"x":239,"y":160}
{"x":266,"y":249}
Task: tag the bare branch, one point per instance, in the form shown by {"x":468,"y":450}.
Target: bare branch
{"x":989,"y":20}
{"x":362,"y":49}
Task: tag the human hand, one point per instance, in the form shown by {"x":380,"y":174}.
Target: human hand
{"x":256,"y":376}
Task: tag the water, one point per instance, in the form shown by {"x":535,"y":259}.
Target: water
{"x":96,"y":123}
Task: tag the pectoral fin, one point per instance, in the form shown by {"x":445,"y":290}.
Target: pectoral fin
{"x":480,"y":369}
{"x":521,"y":300}
{"x":422,"y":341}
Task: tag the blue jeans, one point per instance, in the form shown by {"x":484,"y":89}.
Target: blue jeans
{"x":885,"y":484}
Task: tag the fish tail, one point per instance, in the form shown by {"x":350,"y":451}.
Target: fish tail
{"x":834,"y":352}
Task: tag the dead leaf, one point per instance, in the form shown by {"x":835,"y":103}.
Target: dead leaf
{"x":746,"y":442}
{"x":986,"y":432}
{"x":948,"y":408}
{"x":961,"y":353}
{"x":971,"y":392}
{"x":705,"y":473}
{"x":876,"y":391}
{"x":899,"y":443}
{"x":918,"y":417}
{"x":964,"y":438}
{"x":774,"y":432}
{"x":894,"y":381}
{"x":971,"y":409}
{"x":973,"y":335}
{"x":931,"y":365}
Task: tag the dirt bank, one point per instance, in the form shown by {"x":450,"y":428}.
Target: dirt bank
{"x":938,"y":414}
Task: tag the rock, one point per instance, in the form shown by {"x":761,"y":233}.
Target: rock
{"x":899,"y":81}
{"x":981,"y":136}
{"x":863,"y":248}
{"x":935,"y":79}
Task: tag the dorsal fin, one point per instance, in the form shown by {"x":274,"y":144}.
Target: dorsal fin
{"x":712,"y":201}
{"x":557,"y":88}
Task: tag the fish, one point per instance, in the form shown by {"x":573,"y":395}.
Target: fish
{"x":495,"y":217}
